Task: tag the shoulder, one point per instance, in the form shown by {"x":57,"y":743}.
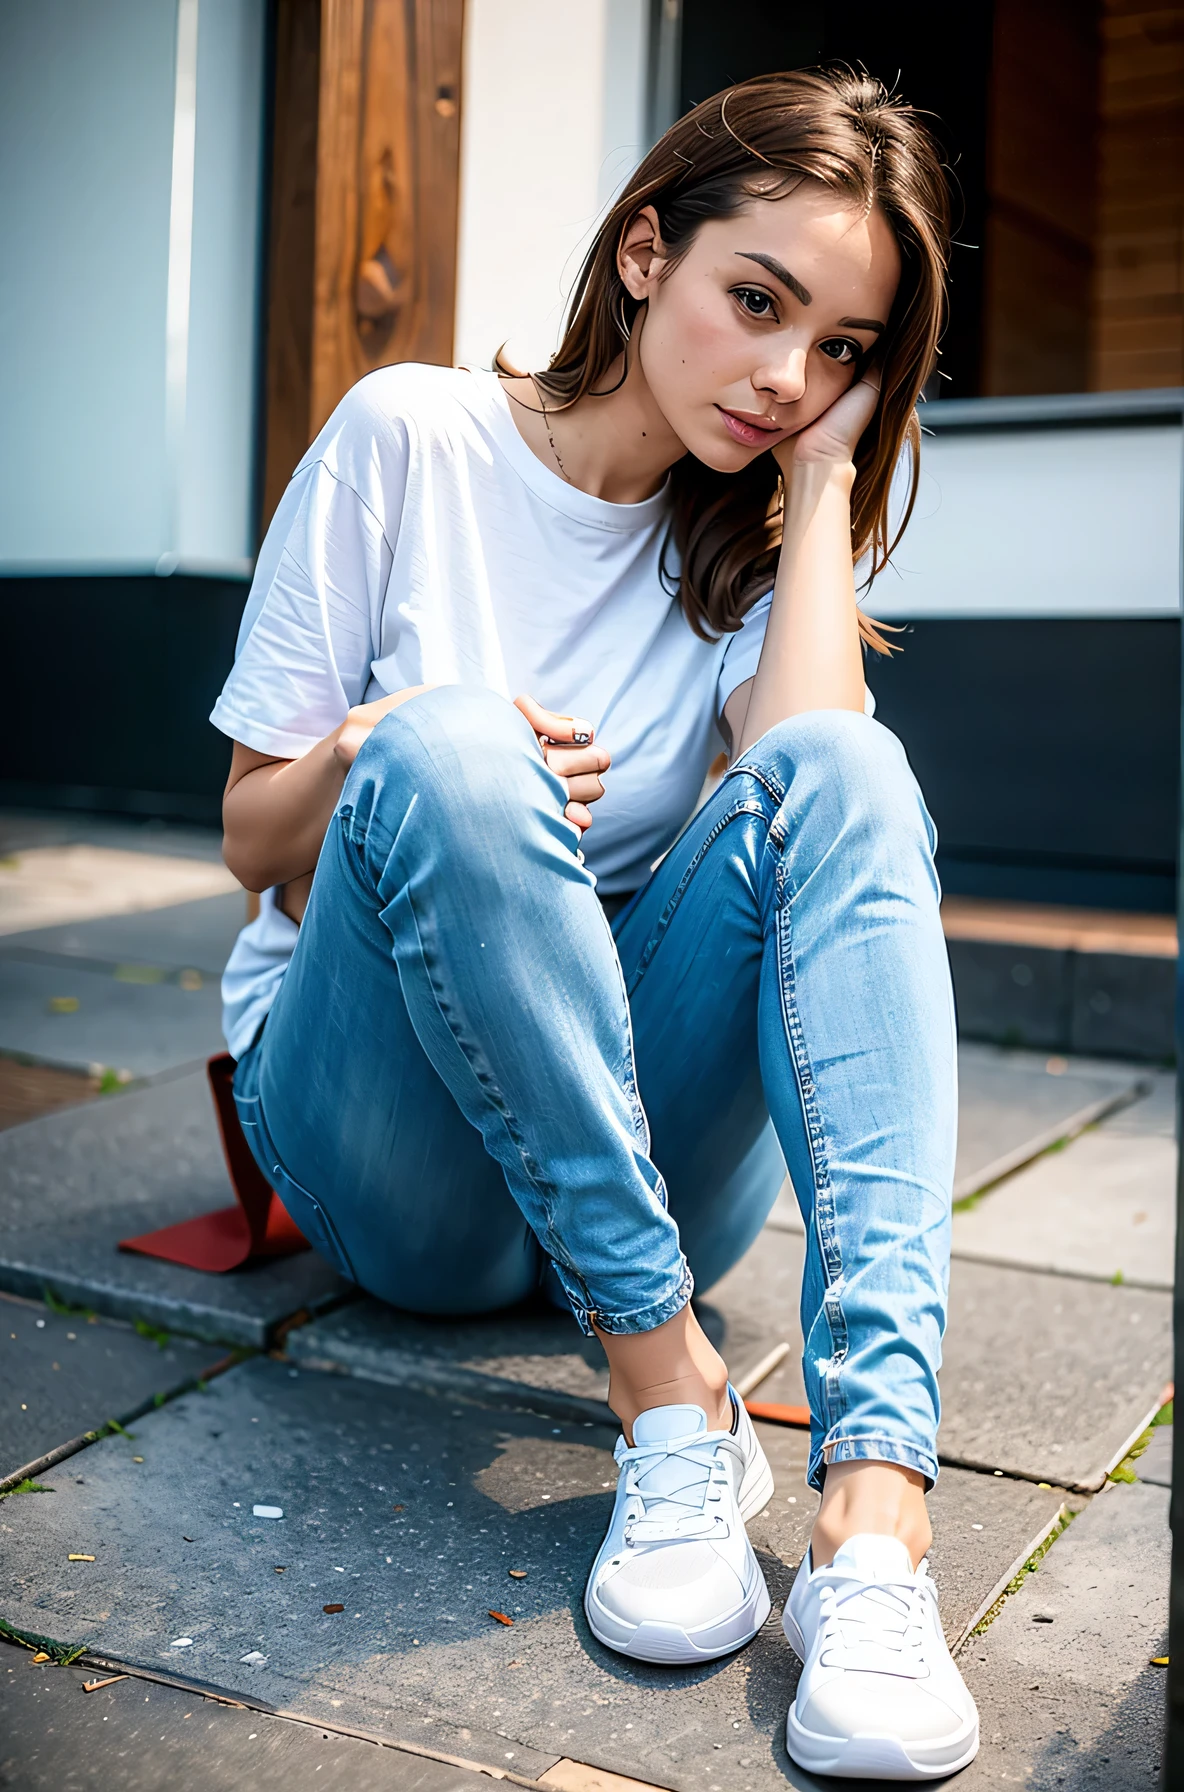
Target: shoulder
{"x":398,"y":410}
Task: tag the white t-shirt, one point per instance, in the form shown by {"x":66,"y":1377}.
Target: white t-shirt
{"x":422,"y":542}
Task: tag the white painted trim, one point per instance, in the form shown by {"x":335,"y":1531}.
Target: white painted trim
{"x":180,"y":254}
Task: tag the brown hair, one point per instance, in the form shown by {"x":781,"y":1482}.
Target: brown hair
{"x":758,"y":140}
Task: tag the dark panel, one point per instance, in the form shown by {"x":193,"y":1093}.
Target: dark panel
{"x":939,"y":57}
{"x":725,"y":44}
{"x":1013,"y":995}
{"x":116,"y":716}
{"x":1124,"y":1006}
{"x":1048,"y":754}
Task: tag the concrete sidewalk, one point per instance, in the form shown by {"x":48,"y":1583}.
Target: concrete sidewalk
{"x":416,"y":1463}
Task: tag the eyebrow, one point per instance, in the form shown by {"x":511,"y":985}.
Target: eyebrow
{"x":780,"y":272}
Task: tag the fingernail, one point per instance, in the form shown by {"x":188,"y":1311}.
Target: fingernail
{"x":581,"y":740}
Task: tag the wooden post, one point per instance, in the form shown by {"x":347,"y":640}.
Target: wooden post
{"x":364,"y":203}
{"x":388,"y":160}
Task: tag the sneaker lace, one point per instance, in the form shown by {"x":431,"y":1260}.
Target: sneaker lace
{"x":686,"y":1503}
{"x":876,"y":1626}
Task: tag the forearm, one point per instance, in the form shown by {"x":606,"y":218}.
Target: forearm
{"x":275,"y":815}
{"x":812,"y":658}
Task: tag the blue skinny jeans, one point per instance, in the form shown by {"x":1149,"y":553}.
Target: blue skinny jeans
{"x":466,"y":1077}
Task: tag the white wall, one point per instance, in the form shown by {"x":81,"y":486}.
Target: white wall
{"x":90,"y":478}
{"x":1042,"y":522}
{"x":553,"y":120}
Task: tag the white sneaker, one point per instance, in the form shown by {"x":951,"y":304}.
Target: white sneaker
{"x":676,"y":1580}
{"x":879,"y":1696}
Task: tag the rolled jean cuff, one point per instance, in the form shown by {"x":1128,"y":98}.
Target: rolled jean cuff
{"x":870,"y":1447}
{"x":645,"y":1319}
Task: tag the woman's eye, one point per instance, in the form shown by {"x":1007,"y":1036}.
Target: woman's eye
{"x":754,"y":301}
{"x":839,"y":349}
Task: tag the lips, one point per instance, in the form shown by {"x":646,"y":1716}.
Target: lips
{"x":747,"y":430}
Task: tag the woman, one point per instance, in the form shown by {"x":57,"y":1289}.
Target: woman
{"x":656,"y":535}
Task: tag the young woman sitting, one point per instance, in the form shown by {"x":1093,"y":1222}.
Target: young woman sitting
{"x":529,"y":1026}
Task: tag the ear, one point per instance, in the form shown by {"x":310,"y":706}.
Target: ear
{"x":642,"y":253}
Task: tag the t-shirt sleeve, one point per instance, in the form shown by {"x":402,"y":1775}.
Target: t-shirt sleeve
{"x":743,"y":651}
{"x":307,"y":643}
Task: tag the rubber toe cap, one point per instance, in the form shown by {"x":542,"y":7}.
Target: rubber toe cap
{"x":686,"y":1584}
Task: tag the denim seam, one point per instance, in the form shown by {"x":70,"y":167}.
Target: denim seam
{"x":825,"y":1221}
{"x":746,"y":806}
{"x":773,"y":785}
{"x":640,"y":1118}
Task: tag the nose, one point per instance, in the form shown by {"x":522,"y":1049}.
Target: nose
{"x":784,"y":378}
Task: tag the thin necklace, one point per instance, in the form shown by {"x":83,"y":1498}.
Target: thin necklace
{"x":547,"y":427}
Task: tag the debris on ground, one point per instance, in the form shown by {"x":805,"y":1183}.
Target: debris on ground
{"x":97,"y":1685}
{"x":332,"y":1608}
{"x":501,"y":1617}
{"x":268,"y":1511}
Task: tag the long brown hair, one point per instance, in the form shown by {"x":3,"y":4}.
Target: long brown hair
{"x":758,"y":140}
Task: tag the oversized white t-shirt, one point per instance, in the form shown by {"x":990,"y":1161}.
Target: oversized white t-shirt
{"x":422,"y":542}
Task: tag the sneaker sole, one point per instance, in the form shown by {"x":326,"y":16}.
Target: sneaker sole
{"x":879,"y":1757}
{"x":871,"y":1757}
{"x":669,"y":1645}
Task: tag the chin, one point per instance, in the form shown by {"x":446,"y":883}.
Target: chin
{"x":722,"y":457}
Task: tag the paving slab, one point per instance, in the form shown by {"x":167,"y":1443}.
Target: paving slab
{"x":536,"y":1356}
{"x":1048,"y":1376}
{"x":1104,"y":1207}
{"x":121,"y":1020}
{"x":409,"y":1512}
{"x":144,"y":1737}
{"x":197,"y":935}
{"x":1066,"y":1692}
{"x":1014,"y":1104}
{"x":62,"y":1375}
{"x":1042,"y":1376}
{"x":44,"y":885}
{"x":73,"y":1183}
{"x":1011,"y":1107}
{"x":21,"y":829}
{"x":1154,"y":1114}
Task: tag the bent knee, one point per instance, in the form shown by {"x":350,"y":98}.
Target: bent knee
{"x":454,"y":735}
{"x":852,"y":762}
{"x":466,"y":749}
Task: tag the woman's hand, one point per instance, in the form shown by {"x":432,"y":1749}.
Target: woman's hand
{"x":568,"y":748}
{"x":834,"y":436}
{"x":363,"y":718}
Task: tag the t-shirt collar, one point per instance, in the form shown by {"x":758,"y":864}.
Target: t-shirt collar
{"x":568,"y":499}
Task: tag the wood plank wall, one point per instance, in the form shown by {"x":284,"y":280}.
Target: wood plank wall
{"x":364,"y":205}
{"x":1138,"y":301}
{"x":1038,"y":245}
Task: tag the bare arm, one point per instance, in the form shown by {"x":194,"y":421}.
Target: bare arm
{"x":275,"y":811}
{"x":811,"y":658}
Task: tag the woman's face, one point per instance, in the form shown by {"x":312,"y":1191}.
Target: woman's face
{"x":766,"y":320}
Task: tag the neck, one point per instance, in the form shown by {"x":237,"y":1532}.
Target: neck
{"x":617,"y":446}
